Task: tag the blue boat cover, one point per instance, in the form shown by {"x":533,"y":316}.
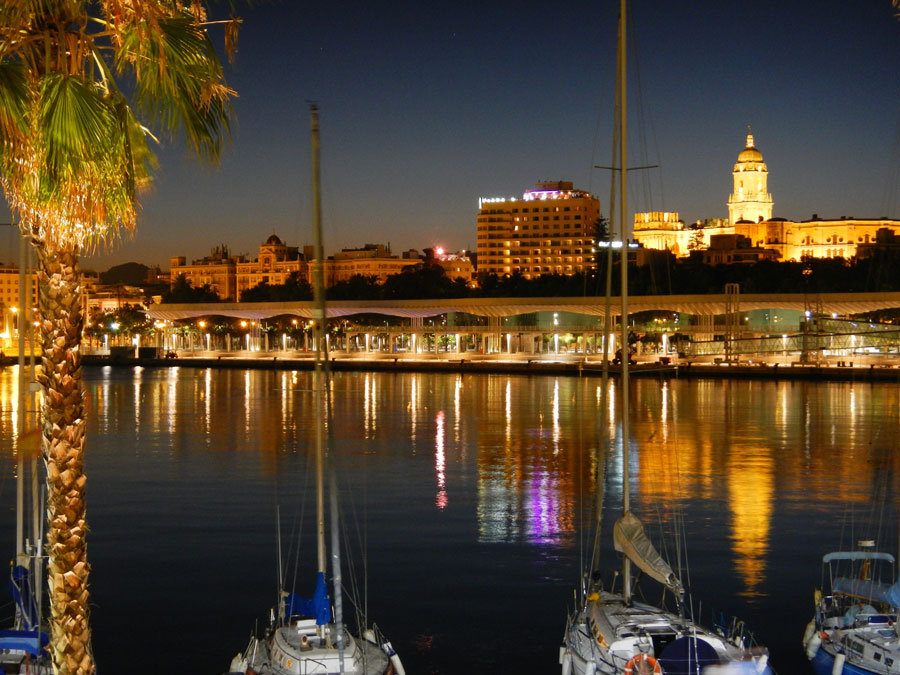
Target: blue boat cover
{"x":23,"y":640}
{"x":20,"y":588}
{"x":857,"y":555}
{"x":687,"y":656}
{"x":867,"y":588}
{"x":318,"y":607}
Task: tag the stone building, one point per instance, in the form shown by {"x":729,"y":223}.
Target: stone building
{"x":218,"y":270}
{"x":750,"y":215}
{"x":274,"y":264}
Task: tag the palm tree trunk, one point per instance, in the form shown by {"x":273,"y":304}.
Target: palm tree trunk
{"x":62,"y":421}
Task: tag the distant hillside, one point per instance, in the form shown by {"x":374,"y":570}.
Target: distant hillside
{"x":130,"y":274}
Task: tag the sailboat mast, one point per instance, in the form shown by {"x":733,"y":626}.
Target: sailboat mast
{"x":319,"y":339}
{"x":623,"y":209}
{"x":24,"y":301}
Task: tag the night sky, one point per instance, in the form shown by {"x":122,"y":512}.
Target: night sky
{"x":425,"y":107}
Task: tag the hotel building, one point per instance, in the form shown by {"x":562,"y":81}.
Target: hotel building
{"x":550,"y":230}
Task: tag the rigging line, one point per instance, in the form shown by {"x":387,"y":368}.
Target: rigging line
{"x":637,"y":90}
{"x":892,"y":179}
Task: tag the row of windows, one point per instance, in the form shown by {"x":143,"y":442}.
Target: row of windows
{"x":545,"y":218}
{"x":547,"y":209}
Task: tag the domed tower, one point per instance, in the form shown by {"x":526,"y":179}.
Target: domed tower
{"x":750,"y":201}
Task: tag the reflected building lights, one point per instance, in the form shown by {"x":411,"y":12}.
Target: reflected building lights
{"x":247,"y":397}
{"x":207,"y":402}
{"x":138,"y":373}
{"x":439,"y":462}
{"x":751,"y":489}
{"x":556,"y":433}
{"x":457,"y":410}
{"x":413,"y":408}
{"x":508,"y":410}
{"x":543,"y":513}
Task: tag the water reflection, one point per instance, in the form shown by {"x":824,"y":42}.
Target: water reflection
{"x":729,"y":456}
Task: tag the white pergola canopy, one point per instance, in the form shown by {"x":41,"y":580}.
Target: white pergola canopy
{"x":837,"y":303}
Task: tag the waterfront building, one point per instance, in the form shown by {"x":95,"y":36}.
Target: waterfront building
{"x":275,"y":263}
{"x":817,"y":237}
{"x":750,"y":215}
{"x":665,"y":231}
{"x":372,"y":260}
{"x":729,"y":249}
{"x":218,"y":270}
{"x":10,"y":306}
{"x":456,"y":265}
{"x":550,"y":230}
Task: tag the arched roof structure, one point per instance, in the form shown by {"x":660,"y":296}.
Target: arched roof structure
{"x":837,"y":303}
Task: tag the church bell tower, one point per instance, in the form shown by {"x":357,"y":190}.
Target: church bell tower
{"x":750,"y":201}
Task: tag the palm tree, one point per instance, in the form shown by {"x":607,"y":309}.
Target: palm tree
{"x":75,"y":76}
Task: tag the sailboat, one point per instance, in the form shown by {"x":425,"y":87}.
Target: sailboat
{"x":306,"y":635}
{"x":854,"y":630}
{"x":610,"y":632}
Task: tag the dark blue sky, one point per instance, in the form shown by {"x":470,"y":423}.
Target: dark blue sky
{"x":425,"y":107}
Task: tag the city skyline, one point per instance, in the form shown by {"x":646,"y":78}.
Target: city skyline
{"x":424,"y":110}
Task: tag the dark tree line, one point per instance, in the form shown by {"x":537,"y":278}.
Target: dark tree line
{"x":663,"y":274}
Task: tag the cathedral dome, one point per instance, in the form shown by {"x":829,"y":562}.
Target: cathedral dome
{"x":274,"y":241}
{"x":750,"y":153}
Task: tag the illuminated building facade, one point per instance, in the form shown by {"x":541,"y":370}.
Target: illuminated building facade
{"x":276,"y":262}
{"x":9,"y":298}
{"x":550,"y":230}
{"x":750,"y":201}
{"x":218,"y":270}
{"x":750,"y":215}
{"x":455,"y":265}
{"x":372,"y":260}
{"x":730,"y":249}
{"x":816,"y":238}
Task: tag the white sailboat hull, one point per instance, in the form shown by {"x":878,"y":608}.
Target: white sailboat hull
{"x":608,"y":635}
{"x":296,"y":649}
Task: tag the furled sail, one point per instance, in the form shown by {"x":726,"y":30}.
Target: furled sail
{"x":869,"y":590}
{"x":629,"y":538}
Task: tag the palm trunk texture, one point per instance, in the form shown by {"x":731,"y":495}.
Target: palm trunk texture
{"x":63,"y":425}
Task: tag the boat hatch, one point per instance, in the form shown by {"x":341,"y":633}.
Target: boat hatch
{"x":661,"y":640}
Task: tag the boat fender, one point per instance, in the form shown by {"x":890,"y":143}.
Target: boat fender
{"x":398,"y":667}
{"x":812,"y":645}
{"x":395,"y":659}
{"x":838,"y":666}
{"x":762,"y":665}
{"x":808,"y":633}
{"x":238,"y":664}
{"x":369,"y":635}
{"x":566,"y":660}
{"x":636,"y":664}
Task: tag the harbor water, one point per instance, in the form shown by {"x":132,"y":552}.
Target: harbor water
{"x":467,"y":502}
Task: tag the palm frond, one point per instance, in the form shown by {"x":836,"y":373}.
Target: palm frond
{"x":179,"y":82}
{"x":13,"y":103}
{"x":76,"y":122}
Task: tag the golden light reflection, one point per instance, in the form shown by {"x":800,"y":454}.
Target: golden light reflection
{"x":457,"y":409}
{"x":440,"y":461}
{"x":751,"y":488}
{"x":138,"y":372}
{"x":413,"y":406}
